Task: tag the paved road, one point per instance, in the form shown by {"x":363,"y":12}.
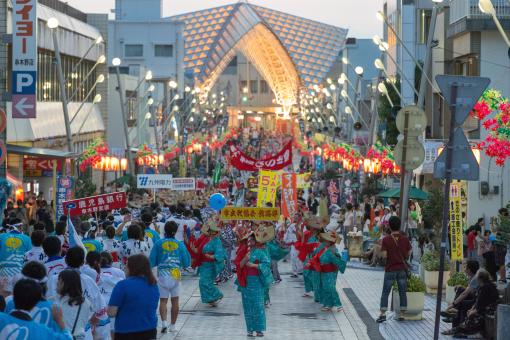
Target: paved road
{"x":290,"y":316}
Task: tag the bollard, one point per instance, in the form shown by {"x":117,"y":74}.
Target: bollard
{"x":502,"y":321}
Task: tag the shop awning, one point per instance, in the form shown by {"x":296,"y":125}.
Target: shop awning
{"x":414,"y":194}
{"x":39,"y":152}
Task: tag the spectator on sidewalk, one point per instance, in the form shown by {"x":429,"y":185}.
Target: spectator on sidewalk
{"x":397,"y":249}
{"x":486,"y":250}
{"x":501,"y":227}
{"x":464,"y":298}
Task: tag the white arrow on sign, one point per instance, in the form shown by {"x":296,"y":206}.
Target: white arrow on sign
{"x":21,"y":106}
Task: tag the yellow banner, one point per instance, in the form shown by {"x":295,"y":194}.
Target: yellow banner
{"x":250,"y":214}
{"x":268,"y":184}
{"x":455,"y":223}
{"x":303,"y":180}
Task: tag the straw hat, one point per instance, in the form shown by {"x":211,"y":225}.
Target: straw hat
{"x":330,"y":236}
{"x":210,"y":226}
{"x":265,"y":234}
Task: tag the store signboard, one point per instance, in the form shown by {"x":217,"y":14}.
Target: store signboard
{"x":95,"y":204}
{"x":24,"y":58}
{"x":183,"y":184}
{"x":40,"y":167}
{"x":154,"y":181}
{"x":456,"y":223}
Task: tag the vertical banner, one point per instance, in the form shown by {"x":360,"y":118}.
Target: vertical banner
{"x":289,"y":194}
{"x":182,"y":166}
{"x":64,"y":193}
{"x":268,"y":184}
{"x":334,"y":192}
{"x":455,"y":223}
{"x":24,"y":58}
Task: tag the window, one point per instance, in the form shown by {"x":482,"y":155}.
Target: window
{"x":264,"y":87}
{"x":133,"y":50}
{"x":163,"y":50}
{"x":243,"y":86}
{"x":254,"y":86}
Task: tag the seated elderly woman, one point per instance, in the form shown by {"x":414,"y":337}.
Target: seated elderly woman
{"x":375,"y":255}
{"x":486,"y":301}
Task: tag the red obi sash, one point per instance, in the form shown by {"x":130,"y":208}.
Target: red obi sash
{"x":315,"y":263}
{"x":304,"y":248}
{"x":328,"y":268}
{"x":242,"y":250}
{"x":197,"y":257}
{"x":206,"y":259}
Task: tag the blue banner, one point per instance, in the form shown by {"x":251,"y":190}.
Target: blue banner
{"x":64,"y":193}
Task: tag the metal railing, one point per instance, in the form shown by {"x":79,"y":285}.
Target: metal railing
{"x":460,"y":9}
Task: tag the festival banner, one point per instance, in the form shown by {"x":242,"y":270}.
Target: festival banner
{"x":250,"y":214}
{"x":289,"y":195}
{"x":268,"y":184}
{"x":455,"y":223}
{"x":64,"y":193}
{"x":95,"y":204}
{"x":334,"y":192}
{"x":183,"y":184}
{"x":243,"y":162}
{"x":182,"y":166}
{"x":303,"y":180}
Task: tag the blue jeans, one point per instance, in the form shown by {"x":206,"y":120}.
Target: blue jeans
{"x":389,"y":278}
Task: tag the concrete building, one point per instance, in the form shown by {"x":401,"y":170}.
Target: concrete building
{"x":144,"y":41}
{"x":470,"y":45}
{"x":32,"y":139}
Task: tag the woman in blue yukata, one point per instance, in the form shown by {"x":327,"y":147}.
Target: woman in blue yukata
{"x":330,"y":262}
{"x":258,"y":279}
{"x":212,"y":263}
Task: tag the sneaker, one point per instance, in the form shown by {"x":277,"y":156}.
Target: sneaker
{"x":164,"y":330}
{"x":381,"y":319}
{"x":164,"y":327}
{"x":172,"y":328}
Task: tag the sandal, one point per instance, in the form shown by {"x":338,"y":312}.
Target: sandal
{"x":340,"y":309}
{"x":250,"y":335}
{"x":326,"y":309}
{"x":260,"y":334}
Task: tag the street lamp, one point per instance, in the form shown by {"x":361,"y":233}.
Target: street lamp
{"x":97,"y":99}
{"x":383,"y":46}
{"x":487,"y":7}
{"x":380,"y":66}
{"x":359,"y":70}
{"x":100,"y":79}
{"x":53,"y":25}
{"x":384,"y":90}
{"x":116,"y":63}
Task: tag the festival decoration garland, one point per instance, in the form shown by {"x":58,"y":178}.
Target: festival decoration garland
{"x":92,"y":154}
{"x":497,"y":142}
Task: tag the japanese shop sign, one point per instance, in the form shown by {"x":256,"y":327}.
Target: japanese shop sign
{"x":37,"y":167}
{"x":24,"y":58}
{"x":289,"y":195}
{"x":250,"y":214}
{"x":94,"y":204}
{"x":183,"y":184}
{"x":154,"y":181}
{"x":455,"y":223}
{"x":64,"y":193}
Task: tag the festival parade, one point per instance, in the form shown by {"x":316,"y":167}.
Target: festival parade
{"x":233,"y":169}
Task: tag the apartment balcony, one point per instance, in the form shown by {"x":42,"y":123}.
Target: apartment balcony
{"x":465,"y":16}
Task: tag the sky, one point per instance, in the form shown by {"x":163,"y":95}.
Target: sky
{"x":356,"y":15}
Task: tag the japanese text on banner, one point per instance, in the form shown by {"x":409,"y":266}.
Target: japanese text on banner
{"x":268,"y":184}
{"x":250,"y":214}
{"x":455,"y":223}
{"x":289,"y":195}
{"x":94,"y":204}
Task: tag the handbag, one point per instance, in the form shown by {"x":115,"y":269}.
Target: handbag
{"x":76,"y":320}
{"x":404,"y":261}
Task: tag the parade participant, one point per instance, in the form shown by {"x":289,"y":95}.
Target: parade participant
{"x":26,"y":294}
{"x":112,"y":246}
{"x":42,"y":312}
{"x":75,"y":258}
{"x":61,"y":233}
{"x":52,"y":249}
{"x":150,"y":232}
{"x":243,"y":236}
{"x":134,"y":302}
{"x":89,"y":239}
{"x":329,"y":264}
{"x":13,"y":246}
{"x":134,"y":244}
{"x":37,"y":252}
{"x":228,"y":241}
{"x":213,"y":260}
{"x":258,"y":279}
{"x":170,"y":256}
{"x":92,"y":266}
{"x":108,"y":278}
{"x":77,"y":310}
{"x":290,"y":239}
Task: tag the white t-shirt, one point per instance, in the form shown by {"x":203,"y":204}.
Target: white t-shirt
{"x":108,"y":278}
{"x":71,"y":312}
{"x":114,"y":247}
{"x":35,"y":254}
{"x":54,"y":267}
{"x":183,"y":224}
{"x":90,"y":291}
{"x":133,"y":247}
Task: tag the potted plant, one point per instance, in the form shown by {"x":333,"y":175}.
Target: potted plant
{"x":457,"y":279}
{"x":415,"y":298}
{"x":430,"y":262}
